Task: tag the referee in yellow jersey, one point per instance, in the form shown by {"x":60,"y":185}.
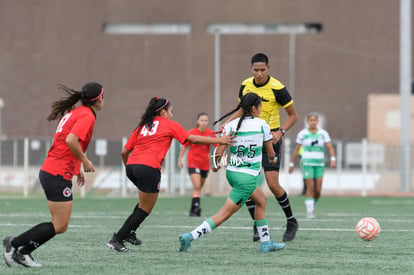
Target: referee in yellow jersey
{"x":276,"y":97}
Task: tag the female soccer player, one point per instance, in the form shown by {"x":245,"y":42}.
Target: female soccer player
{"x":63,"y":161}
{"x":198,"y":161}
{"x":143,"y":155}
{"x":312,"y":140}
{"x":245,"y":162}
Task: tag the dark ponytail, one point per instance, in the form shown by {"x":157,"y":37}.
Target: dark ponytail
{"x":228,"y":114}
{"x":88,"y":96}
{"x":154,"y":108}
{"x":246,"y":103}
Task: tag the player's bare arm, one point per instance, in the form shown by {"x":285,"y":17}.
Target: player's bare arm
{"x":270,"y":152}
{"x":180,"y":157}
{"x":294,"y":155}
{"x":225,"y":140}
{"x":292,"y":118}
{"x":332,"y":154}
{"x":73,"y":143}
{"x":124,"y":155}
{"x":218,"y":155}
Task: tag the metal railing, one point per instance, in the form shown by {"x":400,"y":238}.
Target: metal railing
{"x":362,"y":168}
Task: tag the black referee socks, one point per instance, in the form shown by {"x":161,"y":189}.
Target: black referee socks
{"x":251,"y":206}
{"x":285,"y":204}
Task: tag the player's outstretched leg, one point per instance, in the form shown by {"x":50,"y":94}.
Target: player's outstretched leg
{"x":203,"y":229}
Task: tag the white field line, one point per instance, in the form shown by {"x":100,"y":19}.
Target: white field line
{"x":98,"y":215}
{"x":223,"y":227}
{"x":301,"y":218}
{"x":396,"y":202}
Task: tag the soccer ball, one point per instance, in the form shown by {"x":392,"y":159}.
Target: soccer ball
{"x":368,"y":228}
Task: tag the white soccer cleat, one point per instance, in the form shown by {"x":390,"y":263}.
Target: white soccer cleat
{"x":8,"y":250}
{"x":25,"y":260}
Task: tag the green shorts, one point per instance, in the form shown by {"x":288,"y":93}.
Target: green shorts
{"x":243,"y":186}
{"x":312,"y":172}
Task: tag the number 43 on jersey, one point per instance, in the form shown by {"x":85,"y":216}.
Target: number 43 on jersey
{"x":145,"y":132}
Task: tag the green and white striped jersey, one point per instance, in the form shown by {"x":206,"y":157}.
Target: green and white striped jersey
{"x":313,"y":146}
{"x":246,"y":152}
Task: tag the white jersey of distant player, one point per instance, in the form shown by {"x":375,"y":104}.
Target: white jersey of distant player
{"x":246,"y":152}
{"x":313,"y":146}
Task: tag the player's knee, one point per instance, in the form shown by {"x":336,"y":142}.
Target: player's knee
{"x":274,"y":185}
{"x":261,"y":202}
{"x":61,"y":228}
{"x":276,"y":189}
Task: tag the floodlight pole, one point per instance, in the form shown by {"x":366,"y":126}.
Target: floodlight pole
{"x":292,"y":58}
{"x":405,"y":94}
{"x":1,"y":107}
{"x":217,"y":92}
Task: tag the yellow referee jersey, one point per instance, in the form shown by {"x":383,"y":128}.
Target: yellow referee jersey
{"x":273,"y":91}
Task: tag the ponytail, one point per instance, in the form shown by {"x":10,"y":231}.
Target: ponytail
{"x":90,"y":93}
{"x":243,"y":116}
{"x":64,"y":105}
{"x":246,"y":103}
{"x":154,"y":108}
{"x":228,"y":114}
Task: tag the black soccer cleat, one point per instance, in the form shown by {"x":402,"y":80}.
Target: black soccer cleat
{"x":117,"y":245}
{"x":196,"y":212}
{"x":132,"y":239}
{"x":292,"y":227}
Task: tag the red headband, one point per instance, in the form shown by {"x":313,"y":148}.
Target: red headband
{"x":95,"y":98}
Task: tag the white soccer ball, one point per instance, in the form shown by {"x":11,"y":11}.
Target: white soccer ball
{"x":368,"y":228}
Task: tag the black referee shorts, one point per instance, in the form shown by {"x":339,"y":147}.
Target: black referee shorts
{"x":147,"y":179}
{"x":56,"y":187}
{"x":267,"y":166}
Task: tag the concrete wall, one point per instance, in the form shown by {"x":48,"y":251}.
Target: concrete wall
{"x":45,"y":42}
{"x":384,"y":118}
